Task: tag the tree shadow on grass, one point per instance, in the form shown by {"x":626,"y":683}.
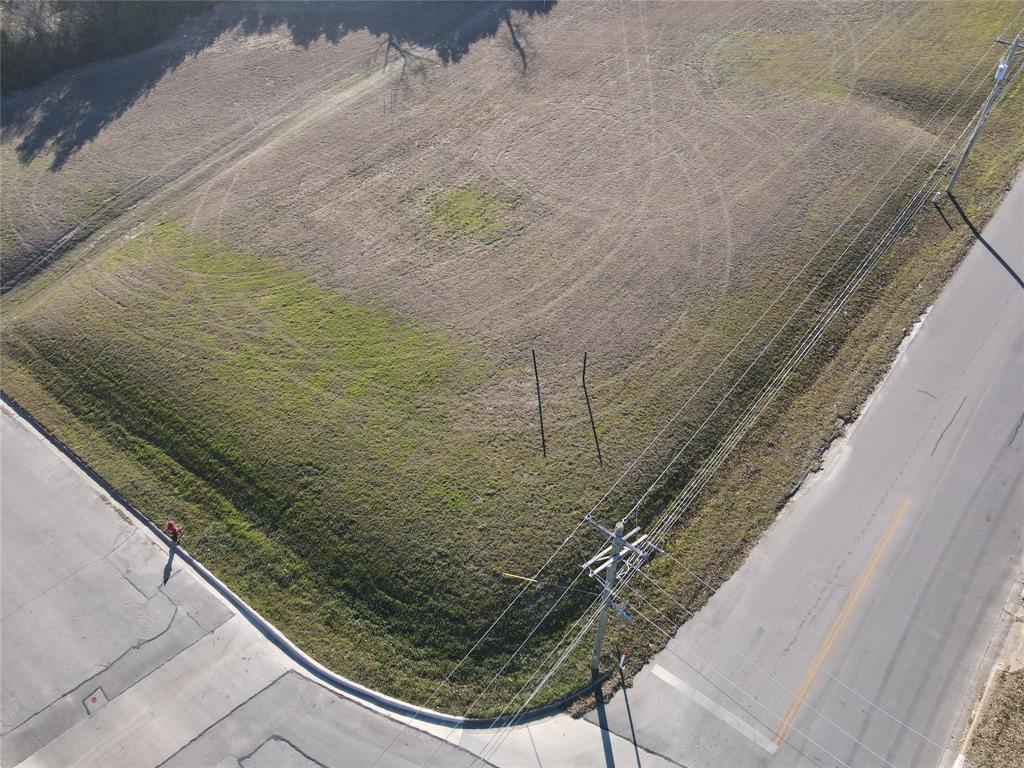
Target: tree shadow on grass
{"x":71,"y":110}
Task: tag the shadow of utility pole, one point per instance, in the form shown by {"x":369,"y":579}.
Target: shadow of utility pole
{"x":629,"y":714}
{"x":985,"y":243}
{"x":602,"y":723}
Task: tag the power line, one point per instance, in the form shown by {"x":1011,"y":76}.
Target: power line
{"x":1005,"y":63}
{"x":894,"y":230}
{"x":899,"y":223}
{"x":853,"y":282}
{"x":897,"y":229}
{"x":754,"y":664}
{"x":738,"y":688}
{"x":496,"y":739}
{"x":494,"y":743}
{"x":775,"y":337}
{"x":508,"y":661}
{"x":793,"y":280}
{"x":805,"y":345}
{"x":789,"y":648}
{"x":480,"y":639}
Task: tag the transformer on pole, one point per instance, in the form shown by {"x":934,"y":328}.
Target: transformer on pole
{"x":1005,"y":63}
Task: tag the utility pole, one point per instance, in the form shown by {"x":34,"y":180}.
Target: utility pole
{"x":612,"y":556}
{"x":1005,"y":63}
{"x":610,"y":575}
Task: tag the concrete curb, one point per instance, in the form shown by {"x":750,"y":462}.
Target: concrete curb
{"x":306,"y":663}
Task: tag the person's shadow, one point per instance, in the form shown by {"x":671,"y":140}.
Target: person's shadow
{"x":170,"y":560}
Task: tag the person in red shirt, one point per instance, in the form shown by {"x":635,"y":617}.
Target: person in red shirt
{"x":173,"y":531}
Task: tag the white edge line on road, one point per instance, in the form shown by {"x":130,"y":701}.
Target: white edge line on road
{"x":736,"y":723}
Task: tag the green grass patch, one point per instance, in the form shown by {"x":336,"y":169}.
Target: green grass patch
{"x":782,"y":61}
{"x":469,"y":211}
{"x":319,"y":453}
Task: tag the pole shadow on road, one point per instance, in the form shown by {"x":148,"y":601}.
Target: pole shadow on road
{"x":602,"y":721}
{"x":629,"y":715}
{"x":985,"y":242}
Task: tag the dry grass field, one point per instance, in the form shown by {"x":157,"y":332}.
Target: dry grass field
{"x":280,"y":278}
{"x":1000,"y":737}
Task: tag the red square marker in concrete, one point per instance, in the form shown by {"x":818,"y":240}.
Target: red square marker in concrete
{"x":95,"y":701}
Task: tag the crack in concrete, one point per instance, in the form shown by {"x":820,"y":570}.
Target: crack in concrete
{"x":1016,"y":430}
{"x":946,"y":428}
{"x":282,"y":739}
{"x":116,"y":546}
{"x":117,"y":542}
{"x":217,"y":722}
{"x":145,"y":641}
{"x":105,"y":667}
{"x":135,"y":587}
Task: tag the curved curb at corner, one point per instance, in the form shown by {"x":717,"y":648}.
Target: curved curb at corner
{"x":305,"y":662}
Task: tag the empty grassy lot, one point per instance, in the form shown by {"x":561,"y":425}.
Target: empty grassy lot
{"x":284,"y":288}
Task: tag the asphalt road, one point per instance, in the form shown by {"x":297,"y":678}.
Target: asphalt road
{"x":857,"y":632}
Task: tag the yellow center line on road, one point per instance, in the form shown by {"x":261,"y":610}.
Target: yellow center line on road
{"x":833,"y":634}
